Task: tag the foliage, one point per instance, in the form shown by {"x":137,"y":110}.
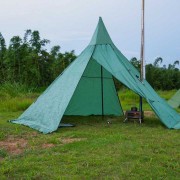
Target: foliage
{"x":161,"y":77}
{"x":136,"y":63}
{"x":17,"y":97}
{"x":26,"y":61}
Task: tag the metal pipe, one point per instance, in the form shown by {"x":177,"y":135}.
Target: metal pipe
{"x":142,"y":42}
{"x":142,"y":74}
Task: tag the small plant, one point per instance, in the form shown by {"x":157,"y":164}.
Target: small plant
{"x":3,"y":153}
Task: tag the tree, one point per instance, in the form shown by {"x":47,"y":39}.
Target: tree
{"x":136,"y":63}
{"x":2,"y":58}
{"x":175,"y":63}
{"x":158,"y":61}
{"x":54,"y":51}
{"x":162,"y":78}
{"x":27,"y":61}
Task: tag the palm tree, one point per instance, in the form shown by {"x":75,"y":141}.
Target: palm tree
{"x":173,"y":66}
{"x":158,"y":61}
{"x":175,"y":63}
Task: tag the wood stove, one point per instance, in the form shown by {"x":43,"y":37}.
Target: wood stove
{"x":134,"y":114}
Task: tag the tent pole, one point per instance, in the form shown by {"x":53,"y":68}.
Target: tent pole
{"x":102,"y":92}
{"x":142,"y":56}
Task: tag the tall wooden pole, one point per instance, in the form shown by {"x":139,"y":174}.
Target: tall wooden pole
{"x":142,"y":56}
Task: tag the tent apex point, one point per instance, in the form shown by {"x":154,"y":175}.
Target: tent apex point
{"x":100,"y":35}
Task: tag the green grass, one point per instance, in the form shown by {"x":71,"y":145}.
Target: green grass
{"x":128,"y":98}
{"x":116,"y":151}
{"x":15,"y":98}
{"x":120,"y":151}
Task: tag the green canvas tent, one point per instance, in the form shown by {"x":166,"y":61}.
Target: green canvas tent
{"x":86,"y":87}
{"x":175,"y":100}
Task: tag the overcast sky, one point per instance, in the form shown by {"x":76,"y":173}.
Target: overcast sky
{"x":71,"y":23}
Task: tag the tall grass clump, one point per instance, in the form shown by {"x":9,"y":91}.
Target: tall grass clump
{"x":16,"y":104}
{"x":128,"y":98}
{"x":14,"y":89}
{"x":16,"y":97}
{"x":166,"y":94}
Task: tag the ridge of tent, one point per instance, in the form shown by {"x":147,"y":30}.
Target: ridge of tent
{"x":100,"y":35}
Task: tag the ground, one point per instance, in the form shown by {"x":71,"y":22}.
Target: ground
{"x":93,"y":149}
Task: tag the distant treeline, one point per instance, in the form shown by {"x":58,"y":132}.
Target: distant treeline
{"x":161,"y":77}
{"x":27,"y":61}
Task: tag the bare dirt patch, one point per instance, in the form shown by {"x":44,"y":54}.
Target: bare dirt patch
{"x":71,"y":140}
{"x":48,"y":145}
{"x":149,"y":113}
{"x":29,"y":135}
{"x":22,"y":136}
{"x":33,"y":134}
{"x":14,"y":146}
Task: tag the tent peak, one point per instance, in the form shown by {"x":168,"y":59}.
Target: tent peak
{"x":100,"y":18}
{"x":100,"y":35}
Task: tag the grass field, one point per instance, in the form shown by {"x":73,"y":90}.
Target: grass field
{"x":92,"y":149}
